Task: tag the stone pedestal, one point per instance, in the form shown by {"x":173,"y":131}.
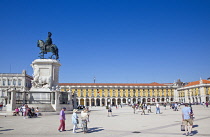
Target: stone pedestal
{"x":46,"y":74}
{"x":45,"y":92}
{"x":45,"y":89}
{"x":12,"y":101}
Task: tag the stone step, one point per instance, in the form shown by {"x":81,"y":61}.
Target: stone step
{"x":42,"y":107}
{"x":4,"y":113}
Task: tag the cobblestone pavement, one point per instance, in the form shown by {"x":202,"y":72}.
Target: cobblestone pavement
{"x":123,"y":123}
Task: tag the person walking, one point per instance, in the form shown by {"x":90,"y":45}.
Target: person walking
{"x":186,"y":113}
{"x":143,"y":109}
{"x":134,"y":108}
{"x":179,"y":105}
{"x":140,"y":106}
{"x":85,"y":119}
{"x":164,"y":106}
{"x":170,"y":105}
{"x":203,"y":105}
{"x":176,"y":107}
{"x":62,"y":120}
{"x":157,"y":108}
{"x":207,"y":104}
{"x":75,"y":120}
{"x":109,"y":111}
{"x":149,"y":108}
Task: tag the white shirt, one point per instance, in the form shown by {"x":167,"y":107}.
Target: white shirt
{"x":84,"y":115}
{"x":24,"y":109}
{"x":36,"y":110}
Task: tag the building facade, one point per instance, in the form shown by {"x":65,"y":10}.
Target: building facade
{"x":103,"y":94}
{"x":19,"y":82}
{"x":195,"y":92}
{"x":18,"y":85}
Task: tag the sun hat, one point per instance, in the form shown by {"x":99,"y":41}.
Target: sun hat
{"x":75,"y":110}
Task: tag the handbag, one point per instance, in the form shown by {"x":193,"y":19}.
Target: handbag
{"x":182,"y":127}
{"x":77,"y":121}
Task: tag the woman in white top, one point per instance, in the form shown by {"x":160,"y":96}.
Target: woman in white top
{"x":37,"y":111}
{"x":74,"y":120}
{"x":24,"y":111}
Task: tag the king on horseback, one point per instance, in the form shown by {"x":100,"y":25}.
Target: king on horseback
{"x":47,"y":46}
{"x":48,"y":41}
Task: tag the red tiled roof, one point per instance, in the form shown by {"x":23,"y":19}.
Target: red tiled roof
{"x":197,"y":83}
{"x":111,"y":84}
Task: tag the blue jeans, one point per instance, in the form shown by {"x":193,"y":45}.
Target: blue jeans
{"x":157,"y":110}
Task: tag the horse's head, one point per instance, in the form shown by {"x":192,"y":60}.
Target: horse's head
{"x":40,"y":43}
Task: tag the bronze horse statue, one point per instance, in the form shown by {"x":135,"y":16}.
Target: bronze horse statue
{"x":49,"y":48}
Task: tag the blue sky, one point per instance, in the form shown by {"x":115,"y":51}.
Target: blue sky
{"x":117,"y":41}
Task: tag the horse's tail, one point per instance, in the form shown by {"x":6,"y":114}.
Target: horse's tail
{"x":57,"y":56}
{"x":38,"y":43}
{"x":56,"y":51}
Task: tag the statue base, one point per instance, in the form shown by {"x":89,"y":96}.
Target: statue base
{"x":46,"y":72}
{"x":45,"y":84}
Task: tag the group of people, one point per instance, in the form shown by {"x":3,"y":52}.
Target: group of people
{"x":175,"y":106}
{"x":75,"y":120}
{"x":205,"y":104}
{"x":26,"y":111}
{"x":143,"y":107}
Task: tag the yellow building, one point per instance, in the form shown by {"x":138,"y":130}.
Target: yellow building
{"x":102,"y":94}
{"x":195,"y":92}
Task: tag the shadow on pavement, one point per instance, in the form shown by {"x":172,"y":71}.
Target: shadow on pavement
{"x":195,"y":126}
{"x":95,"y":129}
{"x":6,"y":129}
{"x":144,"y":114}
{"x":94,"y":110}
{"x":195,"y":132}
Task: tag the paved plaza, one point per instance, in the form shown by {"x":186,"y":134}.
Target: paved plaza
{"x":124,"y":123}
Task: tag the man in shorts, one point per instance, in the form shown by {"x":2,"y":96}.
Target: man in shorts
{"x":186,"y":111}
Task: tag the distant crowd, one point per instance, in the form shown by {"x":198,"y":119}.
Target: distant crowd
{"x":26,"y":111}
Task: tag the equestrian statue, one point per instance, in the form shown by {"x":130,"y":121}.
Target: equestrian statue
{"x":47,"y":46}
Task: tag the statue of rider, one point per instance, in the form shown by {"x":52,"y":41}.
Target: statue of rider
{"x":48,"y":41}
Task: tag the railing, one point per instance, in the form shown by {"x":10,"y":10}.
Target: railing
{"x":33,"y":102}
{"x":19,"y":101}
{"x":63,"y":102}
{"x":40,"y":102}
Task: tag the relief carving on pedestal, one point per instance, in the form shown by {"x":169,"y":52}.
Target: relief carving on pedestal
{"x":40,"y":81}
